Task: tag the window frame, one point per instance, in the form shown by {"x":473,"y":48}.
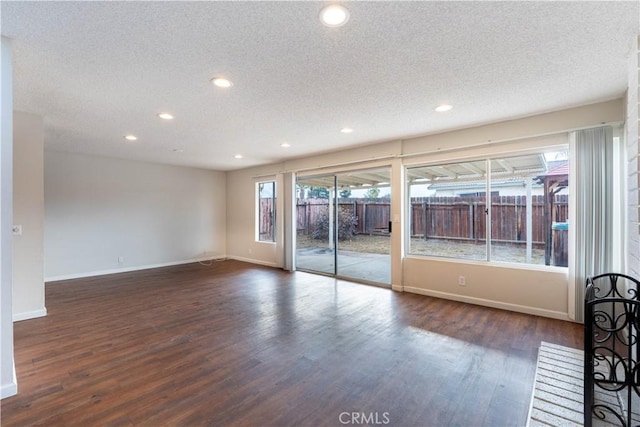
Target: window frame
{"x":488,"y":158}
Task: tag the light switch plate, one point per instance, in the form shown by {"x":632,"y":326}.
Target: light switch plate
{"x":16,"y":230}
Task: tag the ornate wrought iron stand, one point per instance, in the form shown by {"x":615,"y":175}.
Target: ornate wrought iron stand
{"x":612,"y":349}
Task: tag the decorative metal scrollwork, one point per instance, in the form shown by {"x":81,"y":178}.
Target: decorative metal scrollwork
{"x":612,"y":350}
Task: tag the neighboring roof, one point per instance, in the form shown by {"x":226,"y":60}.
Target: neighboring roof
{"x":559,"y":170}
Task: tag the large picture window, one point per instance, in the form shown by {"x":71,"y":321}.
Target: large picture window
{"x":507,"y":209}
{"x":266,"y":211}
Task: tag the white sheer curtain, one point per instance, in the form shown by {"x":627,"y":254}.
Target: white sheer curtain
{"x":592,"y":222}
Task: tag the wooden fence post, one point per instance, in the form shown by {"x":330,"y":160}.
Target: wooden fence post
{"x":355,"y":212}
{"x":470,"y":220}
{"x":424,"y":219}
{"x":364,"y":218}
{"x":474,"y":211}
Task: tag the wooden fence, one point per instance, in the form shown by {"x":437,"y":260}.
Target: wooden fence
{"x":373,"y":214}
{"x":464,"y":218}
{"x":453,"y":218}
{"x":266,"y":221}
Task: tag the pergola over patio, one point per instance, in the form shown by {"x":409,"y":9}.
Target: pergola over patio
{"x":514,"y":168}
{"x":554,"y":181}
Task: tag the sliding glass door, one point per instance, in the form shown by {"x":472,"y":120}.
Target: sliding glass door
{"x":315,"y":242}
{"x":343,"y":225}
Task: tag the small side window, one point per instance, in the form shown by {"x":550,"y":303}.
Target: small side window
{"x":266,"y":212}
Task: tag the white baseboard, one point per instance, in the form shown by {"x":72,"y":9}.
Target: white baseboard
{"x":253,"y":261}
{"x":11,"y":389}
{"x":397,"y":288}
{"x":128,"y":269}
{"x":489,"y":303}
{"x":26,"y":315}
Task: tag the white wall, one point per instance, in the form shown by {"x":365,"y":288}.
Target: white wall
{"x":241,"y":208}
{"x":8,"y":383}
{"x":100,"y":209}
{"x":28,"y":212}
{"x":633,"y":158}
{"x":542,"y":291}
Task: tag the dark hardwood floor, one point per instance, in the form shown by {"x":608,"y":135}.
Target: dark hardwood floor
{"x":238,"y":344}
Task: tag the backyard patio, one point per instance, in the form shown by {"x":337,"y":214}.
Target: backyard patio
{"x":381,"y":244}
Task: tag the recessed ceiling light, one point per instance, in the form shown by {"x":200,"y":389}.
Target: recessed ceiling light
{"x":444,"y":107}
{"x":334,"y":15}
{"x":285,"y":145}
{"x":238,"y":156}
{"x":131,"y":137}
{"x":346,"y":130}
{"x":221,"y":82}
{"x":165,"y":116}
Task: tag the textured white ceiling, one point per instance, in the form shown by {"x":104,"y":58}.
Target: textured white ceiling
{"x":99,"y":70}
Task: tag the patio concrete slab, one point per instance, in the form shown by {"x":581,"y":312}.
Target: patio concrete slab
{"x":358,"y":266}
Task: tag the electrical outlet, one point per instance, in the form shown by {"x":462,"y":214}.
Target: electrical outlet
{"x":16,"y":230}
{"x":462,"y":281}
{"x":120,"y":259}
